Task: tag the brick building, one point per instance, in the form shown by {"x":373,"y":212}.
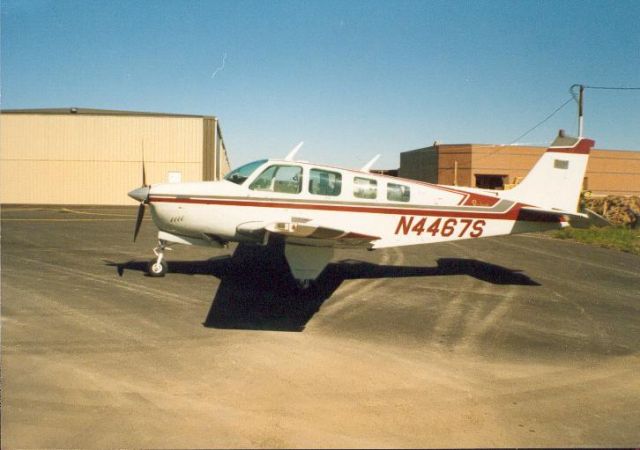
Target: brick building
{"x":496,"y":167}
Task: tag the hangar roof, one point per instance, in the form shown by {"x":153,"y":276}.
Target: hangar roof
{"x":96,"y":112}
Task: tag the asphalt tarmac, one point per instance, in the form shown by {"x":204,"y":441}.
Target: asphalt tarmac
{"x":521,"y":341}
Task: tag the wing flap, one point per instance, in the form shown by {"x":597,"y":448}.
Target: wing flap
{"x":313,"y":234}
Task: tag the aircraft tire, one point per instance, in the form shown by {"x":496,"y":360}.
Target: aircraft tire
{"x":306,"y":285}
{"x":155,"y":270}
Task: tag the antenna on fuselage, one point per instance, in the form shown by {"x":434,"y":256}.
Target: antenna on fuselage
{"x":293,"y":152}
{"x":368,"y":165}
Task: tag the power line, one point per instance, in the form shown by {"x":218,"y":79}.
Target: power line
{"x":542,"y":121}
{"x":573,"y":97}
{"x":555,"y":111}
{"x":608,"y":88}
{"x":614,"y":88}
{"x":526,"y":132}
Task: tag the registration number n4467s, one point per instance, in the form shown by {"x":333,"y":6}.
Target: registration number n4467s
{"x":440,"y":226}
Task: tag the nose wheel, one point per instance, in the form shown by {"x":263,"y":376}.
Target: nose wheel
{"x":158,"y":267}
{"x":155,"y":269}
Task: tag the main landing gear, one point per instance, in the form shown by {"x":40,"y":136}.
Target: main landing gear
{"x":307,"y":286}
{"x":158,"y":267}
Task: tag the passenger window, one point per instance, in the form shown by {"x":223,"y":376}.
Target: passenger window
{"x":398,"y":193}
{"x":323,"y":182}
{"x":285,"y":179}
{"x":365,"y":188}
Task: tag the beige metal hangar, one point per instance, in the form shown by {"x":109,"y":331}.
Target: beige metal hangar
{"x":73,"y":156}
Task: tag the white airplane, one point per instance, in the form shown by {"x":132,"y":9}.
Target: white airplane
{"x":316,"y":208}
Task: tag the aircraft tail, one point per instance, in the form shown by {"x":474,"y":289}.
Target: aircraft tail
{"x":556,"y":179}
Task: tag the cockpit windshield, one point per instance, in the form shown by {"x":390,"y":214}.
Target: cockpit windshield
{"x":239,"y":175}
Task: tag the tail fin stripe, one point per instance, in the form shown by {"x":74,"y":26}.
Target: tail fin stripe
{"x":583,"y":147}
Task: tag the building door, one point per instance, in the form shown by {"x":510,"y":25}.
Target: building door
{"x":490,"y":181}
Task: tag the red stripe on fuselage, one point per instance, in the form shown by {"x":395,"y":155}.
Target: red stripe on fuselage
{"x":480,"y":200}
{"x":511,"y":214}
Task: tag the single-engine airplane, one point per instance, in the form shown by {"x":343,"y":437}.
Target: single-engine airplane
{"x":316,"y":208}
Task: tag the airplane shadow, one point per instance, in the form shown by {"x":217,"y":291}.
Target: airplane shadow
{"x":257,"y":291}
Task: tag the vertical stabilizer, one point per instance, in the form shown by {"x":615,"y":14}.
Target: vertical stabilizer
{"x":556,"y":179}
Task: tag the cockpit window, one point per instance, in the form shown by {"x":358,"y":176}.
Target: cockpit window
{"x":279,"y":178}
{"x":240,"y":175}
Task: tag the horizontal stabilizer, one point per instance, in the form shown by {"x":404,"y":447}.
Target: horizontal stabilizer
{"x":555,"y":212}
{"x":575,"y":219}
{"x":592,"y":219}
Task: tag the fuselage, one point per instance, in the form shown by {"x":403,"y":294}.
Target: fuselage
{"x":394,"y":211}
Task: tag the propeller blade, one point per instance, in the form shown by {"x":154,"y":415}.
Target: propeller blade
{"x":144,"y":175}
{"x":138,"y":221}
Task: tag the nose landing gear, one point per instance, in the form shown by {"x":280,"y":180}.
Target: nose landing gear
{"x":158,"y":267}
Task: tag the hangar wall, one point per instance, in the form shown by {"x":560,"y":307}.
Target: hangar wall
{"x":94,"y":157}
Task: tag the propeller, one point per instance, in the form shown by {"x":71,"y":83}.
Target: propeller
{"x":142,"y":195}
{"x":144,"y":174}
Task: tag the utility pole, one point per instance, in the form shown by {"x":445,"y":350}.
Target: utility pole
{"x":455,"y":173}
{"x":580,"y":111}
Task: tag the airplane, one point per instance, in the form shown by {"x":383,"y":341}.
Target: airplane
{"x":316,"y":208}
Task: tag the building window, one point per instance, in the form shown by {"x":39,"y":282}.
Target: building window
{"x":174,"y":177}
{"x":365,"y":188}
{"x":491,"y":181}
{"x":398,"y":192}
{"x":284,"y":179}
{"x":323,"y":182}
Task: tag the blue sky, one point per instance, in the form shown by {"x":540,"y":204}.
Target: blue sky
{"x":350,"y":78}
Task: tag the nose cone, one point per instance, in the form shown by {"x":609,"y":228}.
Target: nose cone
{"x":141,"y":194}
